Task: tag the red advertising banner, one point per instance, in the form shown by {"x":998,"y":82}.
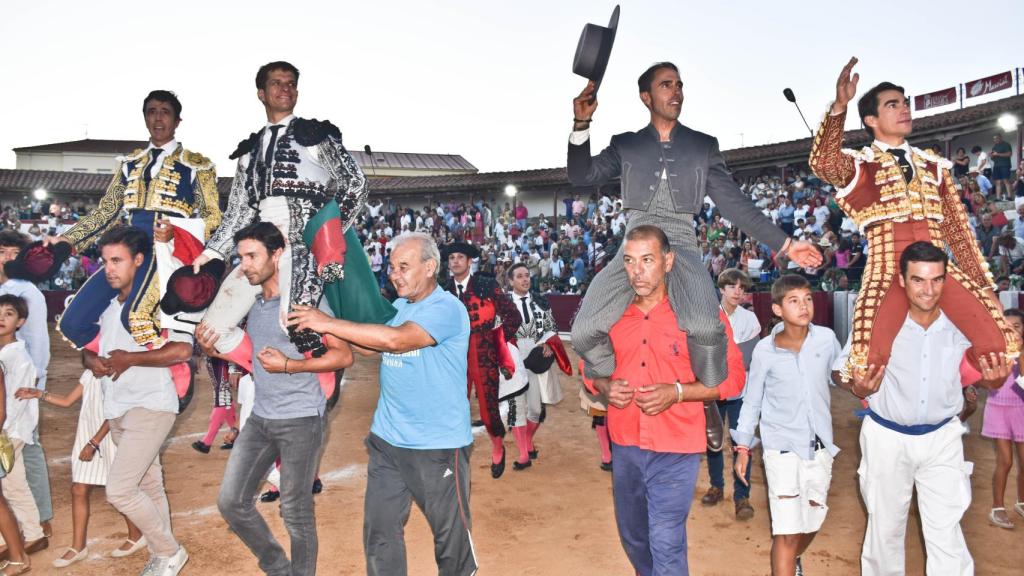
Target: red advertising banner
{"x":933,"y":99}
{"x":982,"y":86}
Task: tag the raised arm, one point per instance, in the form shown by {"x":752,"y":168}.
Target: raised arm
{"x":827,"y":160}
{"x":581,"y":168}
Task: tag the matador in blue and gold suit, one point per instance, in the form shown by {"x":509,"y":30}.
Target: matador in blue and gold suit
{"x":150,"y":183}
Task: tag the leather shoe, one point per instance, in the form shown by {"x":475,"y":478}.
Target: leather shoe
{"x":712,"y":496}
{"x":606,"y":466}
{"x":516,"y":465}
{"x":318,"y":486}
{"x":200,"y":447}
{"x":715,"y":427}
{"x":533,"y":454}
{"x":270,"y":496}
{"x":744,"y":511}
{"x":498,"y":469}
{"x":37,"y":545}
{"x":227,"y":446}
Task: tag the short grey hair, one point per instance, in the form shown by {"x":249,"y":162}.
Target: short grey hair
{"x":428,"y":247}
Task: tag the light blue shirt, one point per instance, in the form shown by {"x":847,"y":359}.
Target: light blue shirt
{"x":789,"y":394}
{"x":33,"y":332}
{"x":1018,"y":227}
{"x":922,"y":380}
{"x":423,"y":402}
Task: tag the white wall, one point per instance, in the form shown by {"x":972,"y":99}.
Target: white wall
{"x":67,"y":162}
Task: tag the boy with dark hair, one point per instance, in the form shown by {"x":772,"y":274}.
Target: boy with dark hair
{"x":746,"y":330}
{"x":788,"y":396}
{"x":19,"y":424}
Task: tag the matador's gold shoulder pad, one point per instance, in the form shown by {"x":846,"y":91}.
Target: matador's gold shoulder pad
{"x":136,"y":154}
{"x":195,"y":160}
{"x":934,"y":158}
{"x":865,"y":154}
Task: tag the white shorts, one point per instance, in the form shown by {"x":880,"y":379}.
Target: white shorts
{"x":806,"y":481}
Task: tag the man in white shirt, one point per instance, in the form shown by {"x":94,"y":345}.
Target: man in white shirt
{"x":911,"y":436}
{"x":139,"y":402}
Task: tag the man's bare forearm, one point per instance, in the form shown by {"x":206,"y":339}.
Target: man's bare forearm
{"x":370,"y":336}
{"x":169,"y":354}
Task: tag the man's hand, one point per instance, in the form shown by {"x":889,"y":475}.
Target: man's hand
{"x":655,"y":399}
{"x":618,"y":392}
{"x":119,"y":361}
{"x":206,"y":337}
{"x":162,"y":231}
{"x":995,"y":369}
{"x":272,"y":360}
{"x":99,"y":367}
{"x":741,"y":464}
{"x":51,"y":240}
{"x":584,"y":105}
{"x":846,"y":87}
{"x":303,"y":317}
{"x":805,"y":254}
{"x":200,"y":260}
{"x":548,"y":353}
{"x":866,"y":383}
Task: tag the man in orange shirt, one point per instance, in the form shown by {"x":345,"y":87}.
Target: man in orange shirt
{"x":656,"y":412}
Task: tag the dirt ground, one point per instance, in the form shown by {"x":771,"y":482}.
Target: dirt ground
{"x":554,"y":518}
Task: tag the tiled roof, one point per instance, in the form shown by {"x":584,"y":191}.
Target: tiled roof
{"x":69,"y":182}
{"x":412,"y":161}
{"x":89,"y":146}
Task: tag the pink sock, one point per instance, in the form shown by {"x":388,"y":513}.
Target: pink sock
{"x":497,"y":449}
{"x":522,"y":441}
{"x":531,"y":429}
{"x":216,"y":419}
{"x":605,"y":442}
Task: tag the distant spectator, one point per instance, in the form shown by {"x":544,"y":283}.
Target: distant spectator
{"x":987,"y":233}
{"x":961,"y":164}
{"x":1002,"y":153}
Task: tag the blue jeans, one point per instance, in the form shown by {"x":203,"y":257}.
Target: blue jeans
{"x":716,"y":460}
{"x":653,"y":492}
{"x":297,"y":442}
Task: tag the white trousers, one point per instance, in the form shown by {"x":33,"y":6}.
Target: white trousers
{"x":891,"y":467}
{"x":236,"y":295}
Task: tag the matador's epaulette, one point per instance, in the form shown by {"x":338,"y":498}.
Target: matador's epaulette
{"x":246,"y":146}
{"x":312,"y":132}
{"x":195,"y":160}
{"x":136,"y":154}
{"x":932,"y":157}
{"x":865,"y":154}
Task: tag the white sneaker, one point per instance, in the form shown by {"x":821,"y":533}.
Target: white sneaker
{"x":154,"y":567}
{"x":175,"y":563}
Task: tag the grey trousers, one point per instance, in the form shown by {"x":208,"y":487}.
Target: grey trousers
{"x":438,"y":480}
{"x":38,"y":478}
{"x":691,"y":292}
{"x":297,"y":442}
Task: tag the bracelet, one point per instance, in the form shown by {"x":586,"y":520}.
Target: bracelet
{"x":679,"y":392}
{"x":44,"y":395}
{"x":742,"y":449}
{"x":94,"y":445}
{"x":286,"y":367}
{"x":580,"y":121}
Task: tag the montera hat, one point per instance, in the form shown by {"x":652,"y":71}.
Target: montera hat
{"x":593,"y":50}
{"x":191,"y":292}
{"x":461,"y":248}
{"x":38,"y":263}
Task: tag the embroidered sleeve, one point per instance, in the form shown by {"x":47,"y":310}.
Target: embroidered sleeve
{"x":208,"y":199}
{"x":506,"y":309}
{"x":547,"y":322}
{"x":827,"y":159}
{"x":957,"y":234}
{"x":91,"y":226}
{"x":347,"y":179}
{"x":239,"y":214}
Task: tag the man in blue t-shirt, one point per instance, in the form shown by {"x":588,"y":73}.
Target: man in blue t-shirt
{"x":420,"y":439}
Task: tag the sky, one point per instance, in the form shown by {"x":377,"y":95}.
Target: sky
{"x":491,"y":81}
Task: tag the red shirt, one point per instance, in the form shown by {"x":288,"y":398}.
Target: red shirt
{"x":651,"y":349}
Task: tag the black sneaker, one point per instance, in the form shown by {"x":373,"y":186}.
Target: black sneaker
{"x":227,"y":446}
{"x":200,"y":447}
{"x":270,"y":496}
{"x":606,"y":466}
{"x":318,"y":486}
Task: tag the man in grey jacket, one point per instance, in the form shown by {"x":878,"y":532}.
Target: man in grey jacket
{"x":665,"y":170}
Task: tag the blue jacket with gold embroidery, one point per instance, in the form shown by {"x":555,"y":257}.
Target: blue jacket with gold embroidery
{"x":185,"y":186}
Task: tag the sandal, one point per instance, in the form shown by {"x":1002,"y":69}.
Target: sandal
{"x":1002,"y":522}
{"x":11,"y":568}
{"x":79,"y":555}
{"x":135,"y":547}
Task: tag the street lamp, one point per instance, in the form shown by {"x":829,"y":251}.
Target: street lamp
{"x":511,"y":190}
{"x":1008,"y":122}
{"x":39,"y":194}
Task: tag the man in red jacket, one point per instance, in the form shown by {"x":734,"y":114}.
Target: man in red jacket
{"x":656,"y":412}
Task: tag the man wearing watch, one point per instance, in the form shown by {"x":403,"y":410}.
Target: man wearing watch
{"x":665,"y":170}
{"x":655,"y":411}
{"x":911,"y":436}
